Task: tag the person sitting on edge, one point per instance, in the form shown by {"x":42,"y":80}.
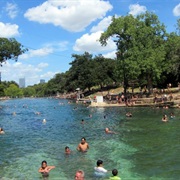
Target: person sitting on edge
{"x":67,"y":150}
{"x":115,"y":173}
{"x":2,"y":131}
{"x":165,"y":118}
{"x":99,"y":170}
{"x":79,"y":175}
{"x":83,"y":145}
{"x":45,"y":169}
{"x":107,"y":131}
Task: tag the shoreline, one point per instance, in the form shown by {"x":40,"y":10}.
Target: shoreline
{"x":144,"y":103}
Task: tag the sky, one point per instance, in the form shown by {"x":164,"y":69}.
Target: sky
{"x":53,"y":30}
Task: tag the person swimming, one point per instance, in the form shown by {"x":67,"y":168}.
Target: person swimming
{"x":128,"y":114}
{"x":172,"y":115}
{"x":165,"y":118}
{"x":107,"y":131}
{"x":83,"y":145}
{"x":45,"y":169}
{"x":2,"y":131}
{"x":67,"y":150}
{"x":100,"y":171}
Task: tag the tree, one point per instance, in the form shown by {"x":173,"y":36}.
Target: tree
{"x":10,"y":49}
{"x":104,"y":70}
{"x":173,"y":58}
{"x":29,"y":91}
{"x":13,"y":91}
{"x":140,"y":47}
{"x":80,"y":75}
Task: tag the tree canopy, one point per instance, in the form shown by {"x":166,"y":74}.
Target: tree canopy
{"x":10,"y":49}
{"x":140,"y":47}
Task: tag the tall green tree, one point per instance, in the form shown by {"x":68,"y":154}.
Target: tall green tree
{"x":140,"y":47}
{"x":10,"y":49}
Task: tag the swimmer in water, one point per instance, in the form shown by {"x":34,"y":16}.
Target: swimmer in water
{"x":83,"y":145}
{"x":2,"y":131}
{"x":128,"y":114}
{"x":107,"y":131}
{"x":172,"y":115}
{"x":45,"y":169}
{"x":165,"y":118}
{"x":82,"y":121}
{"x":100,"y":171}
{"x":44,"y":121}
{"x":67,"y":150}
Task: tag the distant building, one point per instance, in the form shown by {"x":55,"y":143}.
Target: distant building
{"x":42,"y":81}
{"x":22,"y":83}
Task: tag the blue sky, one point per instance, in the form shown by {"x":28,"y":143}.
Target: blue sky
{"x":53,"y":30}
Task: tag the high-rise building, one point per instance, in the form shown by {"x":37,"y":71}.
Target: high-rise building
{"x":42,"y":81}
{"x":22,"y":83}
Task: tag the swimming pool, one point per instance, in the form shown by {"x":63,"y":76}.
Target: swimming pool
{"x":143,"y":148}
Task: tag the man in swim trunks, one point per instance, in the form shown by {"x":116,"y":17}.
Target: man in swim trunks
{"x":83,"y":146}
{"x":45,"y":169}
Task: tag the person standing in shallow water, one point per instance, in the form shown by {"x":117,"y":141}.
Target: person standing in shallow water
{"x":67,"y":150}
{"x":45,"y":169}
{"x":83,"y":145}
{"x":115,"y":173}
{"x":100,"y":171}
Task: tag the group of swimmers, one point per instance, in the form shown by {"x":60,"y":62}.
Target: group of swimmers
{"x":165,"y":117}
{"x":83,"y":146}
{"x":100,"y":171}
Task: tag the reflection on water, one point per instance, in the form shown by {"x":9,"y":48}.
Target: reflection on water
{"x":144,"y":148}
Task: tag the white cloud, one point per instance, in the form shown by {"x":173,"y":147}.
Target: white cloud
{"x":111,"y":55}
{"x":31,"y":73}
{"x":73,"y":16}
{"x":8,"y":30}
{"x":12,"y":10}
{"x":102,"y":25}
{"x":176,"y":10}
{"x":90,"y":43}
{"x":58,"y":46}
{"x":48,"y":74}
{"x":36,"y":53}
{"x":42,"y":65}
{"x":48,"y":48}
{"x":136,"y":9}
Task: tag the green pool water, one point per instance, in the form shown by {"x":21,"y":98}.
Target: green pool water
{"x":143,"y":148}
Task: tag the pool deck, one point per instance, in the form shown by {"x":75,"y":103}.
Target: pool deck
{"x":173,"y":104}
